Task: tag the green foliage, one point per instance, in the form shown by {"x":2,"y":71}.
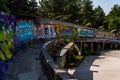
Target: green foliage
{"x":112,"y":21}
{"x":75,"y":11}
{"x":3,"y":6}
{"x":86,"y":51}
{"x":23,"y":7}
{"x":50,"y":8}
{"x":78,"y":57}
{"x":58,"y":8}
{"x":87,"y":12}
{"x":74,"y":61}
{"x":99,"y":17}
{"x":68,"y":40}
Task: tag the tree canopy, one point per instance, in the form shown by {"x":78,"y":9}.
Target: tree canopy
{"x":112,"y":20}
{"x":23,"y":7}
{"x":3,"y":6}
{"x":99,"y":17}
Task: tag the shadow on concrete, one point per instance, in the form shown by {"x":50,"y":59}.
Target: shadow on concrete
{"x":86,"y":70}
{"x":83,"y":71}
{"x":26,"y":67}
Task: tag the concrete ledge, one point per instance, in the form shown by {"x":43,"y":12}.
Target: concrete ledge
{"x":51,"y":68}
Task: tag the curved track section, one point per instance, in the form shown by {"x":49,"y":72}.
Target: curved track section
{"x":105,"y":67}
{"x":26,"y":67}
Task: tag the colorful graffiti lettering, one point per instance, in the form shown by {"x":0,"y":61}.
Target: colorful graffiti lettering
{"x":56,"y":30}
{"x":46,"y":31}
{"x":25,"y":30}
{"x":65,"y":31}
{"x":6,"y":50}
{"x":2,"y":56}
{"x":7,"y":29}
{"x":85,"y":33}
{"x":7,"y":34}
{"x":61,"y":61}
{"x":36,"y":30}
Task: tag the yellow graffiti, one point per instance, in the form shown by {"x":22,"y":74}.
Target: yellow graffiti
{"x":10,"y":44}
{"x":9,"y":41}
{"x":6,"y":50}
{"x":2,"y":37}
{"x":62,"y":63}
{"x":6,"y":46}
{"x":58,"y":27}
{"x":6,"y":41}
{"x":2,"y":56}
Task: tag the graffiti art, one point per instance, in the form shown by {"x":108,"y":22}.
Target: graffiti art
{"x":7,"y":30}
{"x":46,"y":31}
{"x":86,"y":33}
{"x":25,"y":30}
{"x":56,"y":30}
{"x":65,"y":31}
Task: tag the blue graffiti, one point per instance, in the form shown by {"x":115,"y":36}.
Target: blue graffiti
{"x":25,"y":30}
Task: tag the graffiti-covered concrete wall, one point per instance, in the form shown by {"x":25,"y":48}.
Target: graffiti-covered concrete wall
{"x":65,"y":31}
{"x":24,"y":30}
{"x":56,"y":30}
{"x":7,"y":32}
{"x":83,"y":32}
{"x":87,"y":32}
{"x":105,"y":35}
{"x":13,"y":32}
{"x":7,"y":26}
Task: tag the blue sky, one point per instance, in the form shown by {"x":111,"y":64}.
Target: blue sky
{"x":105,"y":4}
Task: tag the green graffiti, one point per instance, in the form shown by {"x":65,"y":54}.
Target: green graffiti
{"x":2,"y":56}
{"x":6,"y":39}
{"x":6,"y":50}
{"x":2,"y":37}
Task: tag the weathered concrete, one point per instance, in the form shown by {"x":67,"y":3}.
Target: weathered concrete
{"x":26,"y":67}
{"x":104,"y":67}
{"x":53,"y":70}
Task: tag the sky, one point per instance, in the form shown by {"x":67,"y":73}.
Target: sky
{"x":105,"y":4}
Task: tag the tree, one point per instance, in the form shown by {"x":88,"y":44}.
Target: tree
{"x":51,"y":8}
{"x":74,"y":11}
{"x":114,"y":23}
{"x":63,"y":9}
{"x":113,"y":19}
{"x":71,"y":10}
{"x":3,"y":6}
{"x":99,"y":17}
{"x":87,"y":12}
{"x":23,"y":7}
{"x":115,"y":11}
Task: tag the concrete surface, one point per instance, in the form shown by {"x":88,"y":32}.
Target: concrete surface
{"x":26,"y":67}
{"x":104,"y":67}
